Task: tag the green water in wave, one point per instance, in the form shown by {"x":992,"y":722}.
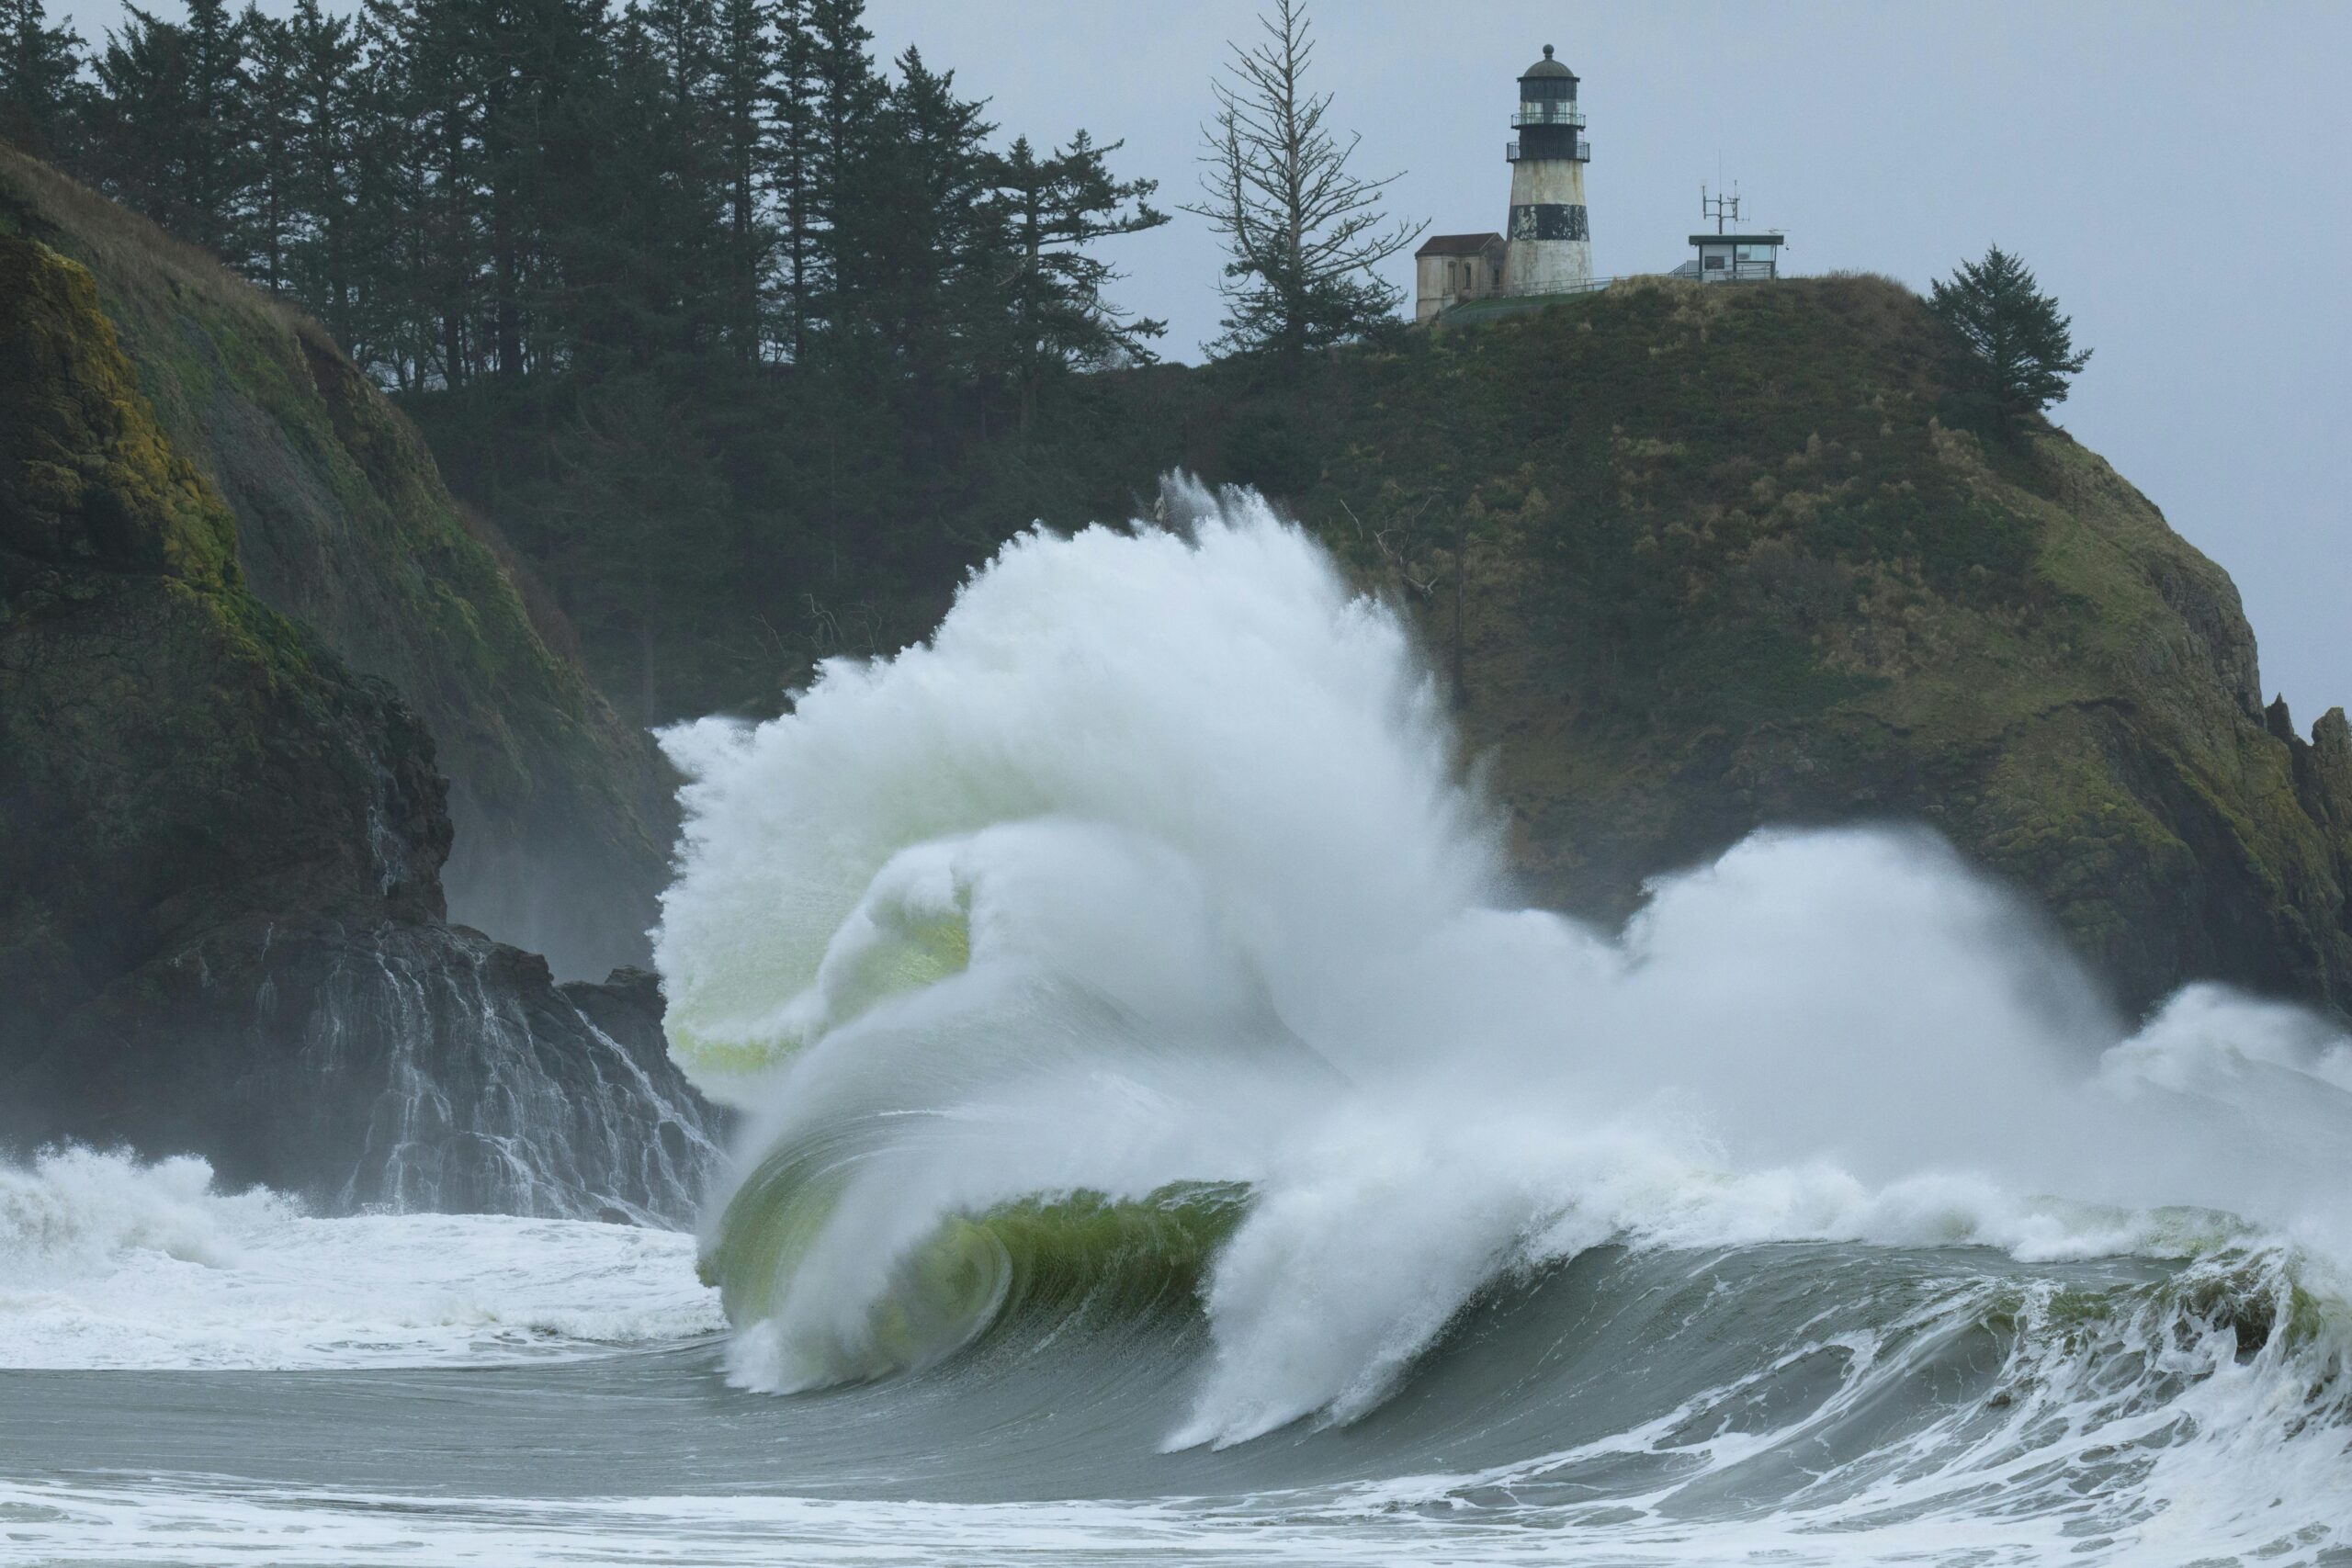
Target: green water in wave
{"x":1041,"y":1256}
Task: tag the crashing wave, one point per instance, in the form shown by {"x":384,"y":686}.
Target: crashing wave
{"x":1136,"y":934}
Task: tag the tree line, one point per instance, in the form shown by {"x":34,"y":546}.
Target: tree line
{"x":481,"y":190}
{"x":472,"y":192}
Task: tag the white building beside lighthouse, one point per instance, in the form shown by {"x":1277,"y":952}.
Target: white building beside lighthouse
{"x":1546,"y":247}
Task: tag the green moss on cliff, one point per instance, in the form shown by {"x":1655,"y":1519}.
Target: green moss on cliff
{"x":91,"y":474}
{"x":342,"y":522}
{"x":173,"y":754}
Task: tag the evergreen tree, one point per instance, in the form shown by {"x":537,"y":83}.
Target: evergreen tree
{"x":543,"y":66}
{"x":925,"y":236}
{"x":1055,"y":207}
{"x":683,"y":36}
{"x":388,"y":314}
{"x":218,"y":160}
{"x":746,"y":65}
{"x":1303,"y":234}
{"x":632,"y":257}
{"x":171,"y":129}
{"x":440,"y":91}
{"x":265,"y":236}
{"x":794,"y":106}
{"x":2021,"y":349}
{"x":478,"y":191}
{"x":846,"y":96}
{"x":42,"y":91}
{"x":139,"y":117}
{"x":322,"y":57}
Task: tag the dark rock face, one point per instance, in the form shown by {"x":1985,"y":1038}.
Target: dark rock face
{"x":219,"y":855}
{"x":562,"y":815}
{"x":172,"y":755}
{"x":408,"y":1066}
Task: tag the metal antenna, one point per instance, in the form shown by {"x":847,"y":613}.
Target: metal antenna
{"x":1719,"y":207}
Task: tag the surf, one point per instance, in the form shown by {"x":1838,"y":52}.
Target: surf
{"x":1137,"y":956}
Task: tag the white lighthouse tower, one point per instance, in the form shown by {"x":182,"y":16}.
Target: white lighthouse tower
{"x":1548,"y":247}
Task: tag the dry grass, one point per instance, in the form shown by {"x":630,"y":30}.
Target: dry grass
{"x":124,"y":248}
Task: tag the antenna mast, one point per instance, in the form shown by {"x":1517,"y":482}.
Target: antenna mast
{"x":1719,"y":207}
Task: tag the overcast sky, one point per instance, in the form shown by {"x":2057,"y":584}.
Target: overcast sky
{"x":2174,"y":172}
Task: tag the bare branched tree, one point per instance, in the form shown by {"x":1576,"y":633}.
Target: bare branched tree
{"x":1303,"y":234}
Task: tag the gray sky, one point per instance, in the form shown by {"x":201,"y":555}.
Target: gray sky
{"x":2174,"y":172}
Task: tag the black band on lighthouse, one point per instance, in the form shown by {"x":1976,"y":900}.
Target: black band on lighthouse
{"x":1548,"y":221}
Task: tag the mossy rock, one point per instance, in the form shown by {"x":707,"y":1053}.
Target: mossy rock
{"x":562,"y":813}
{"x":172,"y":753}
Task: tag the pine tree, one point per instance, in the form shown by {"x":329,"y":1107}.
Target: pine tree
{"x":42,"y":91}
{"x":926,"y":235}
{"x":1303,"y":235}
{"x":846,"y":97}
{"x":1055,"y":207}
{"x":265,"y":238}
{"x":793,"y":108}
{"x":543,"y":136}
{"x":139,"y":116}
{"x":388,"y":319}
{"x":684,"y":37}
{"x":2022,"y":351}
{"x":579,"y":183}
{"x":218,"y":157}
{"x":323,"y":56}
{"x":440,"y":92}
{"x":747,"y":62}
{"x":643,"y":252}
{"x":171,"y":124}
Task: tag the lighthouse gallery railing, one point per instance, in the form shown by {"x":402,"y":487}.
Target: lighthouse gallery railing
{"x":1548,"y":114}
{"x":1583,"y":153}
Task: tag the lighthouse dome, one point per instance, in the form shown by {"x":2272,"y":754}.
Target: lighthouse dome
{"x":1547,"y":66}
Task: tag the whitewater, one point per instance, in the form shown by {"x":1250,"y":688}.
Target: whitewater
{"x":1165,"y":1134}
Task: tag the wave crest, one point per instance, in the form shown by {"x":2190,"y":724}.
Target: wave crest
{"x":1152,"y":875}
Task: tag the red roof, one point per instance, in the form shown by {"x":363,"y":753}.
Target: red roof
{"x":1457,"y":245}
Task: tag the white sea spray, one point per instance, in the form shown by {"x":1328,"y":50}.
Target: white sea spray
{"x":1153,"y":866}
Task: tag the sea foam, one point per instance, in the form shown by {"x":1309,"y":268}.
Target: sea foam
{"x":109,"y":1261}
{"x":1155,"y":866}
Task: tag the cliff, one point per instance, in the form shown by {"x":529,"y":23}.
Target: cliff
{"x":1763,"y":573}
{"x":1696,"y":560}
{"x":562,"y":815}
{"x":220,"y":851}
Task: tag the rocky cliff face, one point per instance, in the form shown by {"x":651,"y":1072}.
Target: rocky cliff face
{"x":562,"y":815}
{"x":1729,"y":557}
{"x":1698,"y":561}
{"x":220,"y":850}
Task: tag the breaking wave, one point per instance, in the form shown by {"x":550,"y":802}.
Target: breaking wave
{"x":1132,"y":961}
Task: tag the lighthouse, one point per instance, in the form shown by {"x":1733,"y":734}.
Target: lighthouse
{"x":1548,"y":246}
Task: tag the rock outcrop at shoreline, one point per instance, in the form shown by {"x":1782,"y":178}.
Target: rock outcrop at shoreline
{"x":221,"y":915}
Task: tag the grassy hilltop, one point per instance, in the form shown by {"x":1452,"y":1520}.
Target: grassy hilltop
{"x":1696,"y":560}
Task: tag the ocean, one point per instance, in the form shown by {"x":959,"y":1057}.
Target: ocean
{"x":1165,"y":1135}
